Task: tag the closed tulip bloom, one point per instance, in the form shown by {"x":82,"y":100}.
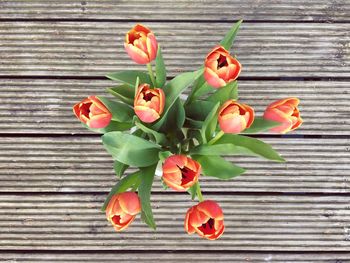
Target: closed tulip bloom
{"x":149,"y":103}
{"x":92,"y":112}
{"x":141,"y":44}
{"x":286,"y":112}
{"x":235,"y":117}
{"x":180,"y":172}
{"x":220,"y":67}
{"x":122,"y":209}
{"x":206,"y":219}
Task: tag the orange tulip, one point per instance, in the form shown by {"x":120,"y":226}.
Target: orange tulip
{"x":220,"y":67}
{"x":149,"y":103}
{"x":285,"y":111}
{"x":92,"y":112}
{"x":122,"y":209}
{"x":235,"y":117}
{"x":180,"y":172}
{"x":206,"y":219}
{"x":141,"y":44}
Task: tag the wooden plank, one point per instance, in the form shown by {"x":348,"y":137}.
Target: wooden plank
{"x":173,"y":257}
{"x":45,"y":106}
{"x":94,"y":49}
{"x":311,"y":10}
{"x":258,"y":223}
{"x":74,"y":164}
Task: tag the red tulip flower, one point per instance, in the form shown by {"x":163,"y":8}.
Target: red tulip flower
{"x":122,"y":209}
{"x":220,"y":67}
{"x":235,"y":117}
{"x":141,"y":44}
{"x":92,"y":112}
{"x":206,"y":219}
{"x":286,"y":112}
{"x":149,"y":103}
{"x":180,"y":172}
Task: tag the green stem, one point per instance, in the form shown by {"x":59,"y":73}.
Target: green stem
{"x":199,"y":193}
{"x":151,"y":75}
{"x":217,"y":137}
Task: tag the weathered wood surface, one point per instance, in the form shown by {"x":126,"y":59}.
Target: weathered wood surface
{"x":297,"y":10}
{"x":95,"y":48}
{"x":80,"y":164}
{"x":174,"y":257}
{"x":264,"y":223}
{"x":45,"y":105}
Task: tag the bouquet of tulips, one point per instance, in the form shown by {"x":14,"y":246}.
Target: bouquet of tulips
{"x":150,"y":127}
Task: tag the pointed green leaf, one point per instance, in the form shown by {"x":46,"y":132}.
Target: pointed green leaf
{"x":119,"y":168}
{"x":230,"y":36}
{"x":164,"y":155}
{"x":120,"y":111}
{"x":220,"y":149}
{"x":160,"y":69}
{"x":193,"y":191}
{"x":255,"y":146}
{"x":127,"y":182}
{"x":261,"y":125}
{"x":129,"y":77}
{"x":209,"y":124}
{"x":159,"y":137}
{"x":199,"y":109}
{"x":130,"y":149}
{"x":144,"y":192}
{"x":123,"y":92}
{"x":218,"y":167}
{"x":230,"y":91}
{"x":112,"y":126}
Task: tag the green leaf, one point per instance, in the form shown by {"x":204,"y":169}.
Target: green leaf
{"x":218,"y":167}
{"x":164,"y":155}
{"x":123,"y":92}
{"x":221,"y":149}
{"x":261,"y":125}
{"x":160,"y":69}
{"x":130,"y":149}
{"x":230,"y":36}
{"x":144,"y":192}
{"x":193,"y":191}
{"x":199,"y":109}
{"x":129,"y":77}
{"x":175,"y":118}
{"x":193,"y":124}
{"x":120,"y":111}
{"x":112,"y":126}
{"x":130,"y":181}
{"x":230,"y":91}
{"x":159,"y":137}
{"x":209,"y":124}
{"x":119,"y":168}
{"x":255,"y":146}
{"x":173,"y":90}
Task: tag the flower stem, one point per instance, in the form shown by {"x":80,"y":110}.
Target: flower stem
{"x":199,"y":193}
{"x":217,"y":137}
{"x":151,"y":75}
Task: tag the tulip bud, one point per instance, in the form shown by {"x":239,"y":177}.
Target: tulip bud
{"x":180,"y":172}
{"x":235,"y":117}
{"x":141,"y":44}
{"x":220,"y":67}
{"x":92,"y":112}
{"x":149,"y":103}
{"x":285,"y":111}
{"x":206,"y":219}
{"x":122,"y":209}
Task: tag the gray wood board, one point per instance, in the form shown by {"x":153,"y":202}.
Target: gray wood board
{"x":94,"y":49}
{"x":76,"y":164}
{"x":75,"y":222}
{"x":222,"y":10}
{"x":44,"y":106}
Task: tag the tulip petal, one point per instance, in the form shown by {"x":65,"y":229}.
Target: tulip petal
{"x":211,"y":209}
{"x":130,"y":203}
{"x":99,"y":121}
{"x":276,"y":115}
{"x":213,"y":79}
{"x":136,"y":54}
{"x":146,"y":114}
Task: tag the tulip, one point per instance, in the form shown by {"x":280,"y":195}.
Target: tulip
{"x":235,"y":117}
{"x":92,"y":112}
{"x":141,"y":44}
{"x":206,"y":219}
{"x":149,"y":103}
{"x":122,"y":209}
{"x":180,"y":172}
{"x":286,"y":112}
{"x":220,"y":67}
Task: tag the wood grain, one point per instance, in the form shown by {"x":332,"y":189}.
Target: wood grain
{"x":195,"y":10}
{"x":94,"y":49}
{"x":81,"y":164}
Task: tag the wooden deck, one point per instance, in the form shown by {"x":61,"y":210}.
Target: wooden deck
{"x":54,"y":175}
